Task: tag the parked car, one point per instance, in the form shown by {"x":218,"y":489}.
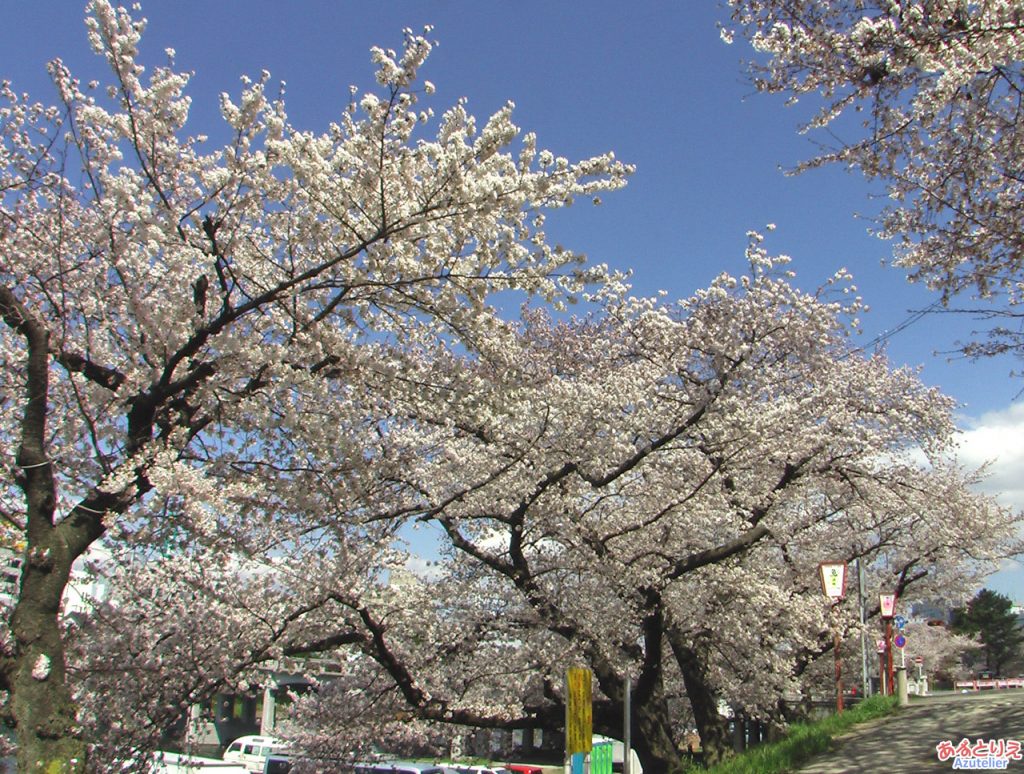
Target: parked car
{"x":523,"y":768}
{"x":277,"y":763}
{"x":177,"y":763}
{"x":398,"y":767}
{"x":252,"y":751}
{"x":466,"y":769}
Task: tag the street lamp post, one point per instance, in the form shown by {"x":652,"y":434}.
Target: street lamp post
{"x":865,"y":682}
{"x":833,"y":586}
{"x":887,"y":604}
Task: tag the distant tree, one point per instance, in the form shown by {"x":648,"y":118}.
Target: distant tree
{"x":942,"y":649}
{"x":925,"y":98}
{"x":988,"y":616}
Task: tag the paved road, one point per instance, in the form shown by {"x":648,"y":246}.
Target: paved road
{"x":905,"y":743}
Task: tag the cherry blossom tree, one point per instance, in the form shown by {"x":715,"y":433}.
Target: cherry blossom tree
{"x":924,"y":96}
{"x":184,"y":325}
{"x":646,"y":490}
{"x":940,"y":647}
{"x":250,"y":370}
{"x":648,"y":477}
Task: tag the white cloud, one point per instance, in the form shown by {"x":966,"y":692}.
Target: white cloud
{"x":425,"y":569}
{"x":997,"y":439}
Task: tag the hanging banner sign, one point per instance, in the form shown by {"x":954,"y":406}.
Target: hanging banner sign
{"x":579,"y":711}
{"x":833,"y":579}
{"x":887,"y":602}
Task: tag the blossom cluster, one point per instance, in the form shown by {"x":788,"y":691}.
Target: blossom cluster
{"x":925,"y":95}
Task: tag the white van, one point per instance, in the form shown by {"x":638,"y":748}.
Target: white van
{"x":252,"y":751}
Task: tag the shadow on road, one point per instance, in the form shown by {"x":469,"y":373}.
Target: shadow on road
{"x":906,"y":742}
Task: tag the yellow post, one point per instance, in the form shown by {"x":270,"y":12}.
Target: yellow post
{"x":579,"y":713}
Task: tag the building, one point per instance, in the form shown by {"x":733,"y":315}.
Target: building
{"x":86,"y":588}
{"x":227,"y":716}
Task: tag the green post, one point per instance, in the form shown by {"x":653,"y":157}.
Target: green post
{"x":601,"y":758}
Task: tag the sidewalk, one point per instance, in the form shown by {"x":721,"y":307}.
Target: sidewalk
{"x":905,"y":743}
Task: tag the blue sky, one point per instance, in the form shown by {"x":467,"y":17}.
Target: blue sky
{"x":650,"y":80}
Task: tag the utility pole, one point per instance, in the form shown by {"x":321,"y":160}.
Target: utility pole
{"x":833,"y":585}
{"x":865,"y":679}
{"x":627,"y":728}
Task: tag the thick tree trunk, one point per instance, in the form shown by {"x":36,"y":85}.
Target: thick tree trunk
{"x":715,"y":742}
{"x":45,"y":716}
{"x":651,"y":732}
{"x":653,"y":739}
{"x":34,"y":671}
{"x":651,"y":728}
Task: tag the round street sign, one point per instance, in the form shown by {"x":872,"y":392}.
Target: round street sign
{"x":900,"y":621}
{"x":899,"y":640}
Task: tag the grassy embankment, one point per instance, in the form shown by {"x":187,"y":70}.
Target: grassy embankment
{"x":804,"y":741}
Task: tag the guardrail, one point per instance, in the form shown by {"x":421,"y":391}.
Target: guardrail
{"x":979,"y":685}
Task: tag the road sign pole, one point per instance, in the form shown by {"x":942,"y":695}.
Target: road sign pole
{"x":900,"y":642}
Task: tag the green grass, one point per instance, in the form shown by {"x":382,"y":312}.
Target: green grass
{"x":804,"y":741}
